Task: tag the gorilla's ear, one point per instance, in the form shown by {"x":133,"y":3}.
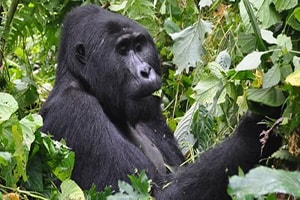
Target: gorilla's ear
{"x":80,"y":53}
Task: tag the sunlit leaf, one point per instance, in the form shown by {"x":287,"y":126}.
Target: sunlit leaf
{"x":70,"y":190}
{"x":294,"y":78}
{"x":268,"y":96}
{"x":268,"y":36}
{"x":281,"y":5}
{"x":183,"y":135}
{"x":272,"y":77}
{"x":251,"y":61}
{"x":8,"y":105}
{"x":204,"y":3}
{"x":284,"y":42}
{"x":262,"y":180}
{"x":296,"y":62}
{"x":5,"y":157}
{"x":208,"y":89}
{"x":224,"y":59}
{"x":247,"y":42}
{"x":188,"y":48}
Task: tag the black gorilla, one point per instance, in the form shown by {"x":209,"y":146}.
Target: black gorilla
{"x":102,"y":104}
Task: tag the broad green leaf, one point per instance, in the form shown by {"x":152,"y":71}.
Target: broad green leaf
{"x":224,"y":59}
{"x":269,"y":96}
{"x":29,"y":125}
{"x":247,"y":42}
{"x":282,"y":5}
{"x":5,"y":157}
{"x":208,"y":89}
{"x":216,"y":69}
{"x":140,"y":183}
{"x":170,"y":26}
{"x":183,"y":135}
{"x":294,"y":78}
{"x":294,"y":19}
{"x":268,"y":36}
{"x":139,"y":188}
{"x":284,"y":42}
{"x":188,"y":48}
{"x":251,"y":61}
{"x":285,"y":71}
{"x":21,"y":153}
{"x":117,"y":7}
{"x":296,"y":62}
{"x":297,"y":14}
{"x":272,"y":77}
{"x":70,"y":190}
{"x":262,"y":180}
{"x":265,"y":14}
{"x":8,"y":105}
{"x":204,"y":3}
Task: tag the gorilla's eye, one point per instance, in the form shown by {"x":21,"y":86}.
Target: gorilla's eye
{"x":138,"y":47}
{"x":140,"y":42}
{"x":123,"y":46}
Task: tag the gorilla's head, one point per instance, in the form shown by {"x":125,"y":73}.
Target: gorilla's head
{"x":114,"y":59}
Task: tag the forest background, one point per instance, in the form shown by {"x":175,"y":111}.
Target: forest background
{"x":219,"y":59}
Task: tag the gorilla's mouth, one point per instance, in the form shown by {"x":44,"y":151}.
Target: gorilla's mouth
{"x":147,"y":92}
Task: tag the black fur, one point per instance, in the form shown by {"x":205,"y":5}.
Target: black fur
{"x":108,"y":67}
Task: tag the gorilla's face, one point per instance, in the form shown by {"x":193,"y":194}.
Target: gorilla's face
{"x":138,"y":58}
{"x":121,"y":66}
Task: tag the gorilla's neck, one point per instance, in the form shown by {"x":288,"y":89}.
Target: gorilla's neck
{"x":143,"y":110}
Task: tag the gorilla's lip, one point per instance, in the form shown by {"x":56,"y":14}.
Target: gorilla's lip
{"x":147,"y":92}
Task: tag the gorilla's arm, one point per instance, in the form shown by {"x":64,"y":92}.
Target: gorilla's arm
{"x":208,"y":177}
{"x":103,"y":155}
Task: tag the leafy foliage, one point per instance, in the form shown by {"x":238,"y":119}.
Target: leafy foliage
{"x":252,"y":185}
{"x":29,"y":158}
{"x":219,"y":59}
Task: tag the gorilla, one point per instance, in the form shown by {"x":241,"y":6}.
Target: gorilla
{"x":103,"y":105}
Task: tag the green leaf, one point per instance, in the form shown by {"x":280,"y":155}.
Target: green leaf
{"x":294,"y":19}
{"x":29,"y":125}
{"x":140,"y":183}
{"x":8,"y":105}
{"x":208,"y":89}
{"x":250,"y":62}
{"x":294,"y":78}
{"x":139,"y":190}
{"x":70,"y":190}
{"x":268,"y":36}
{"x":204,"y":3}
{"x":281,"y":5}
{"x":224,"y":60}
{"x":297,"y":14}
{"x":170,"y":26}
{"x":284,"y":42}
{"x":183,"y":135}
{"x":188,"y":48}
{"x":247,"y":42}
{"x":262,"y":180}
{"x":296,"y":62}
{"x":269,"y":96}
{"x":264,"y":13}
{"x":118,"y":6}
{"x":267,"y":15}
{"x":272,"y":77}
{"x":5,"y":158}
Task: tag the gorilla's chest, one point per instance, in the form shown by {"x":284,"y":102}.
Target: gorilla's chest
{"x":138,"y":136}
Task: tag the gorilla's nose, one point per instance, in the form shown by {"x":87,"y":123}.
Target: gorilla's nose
{"x":145,"y":71}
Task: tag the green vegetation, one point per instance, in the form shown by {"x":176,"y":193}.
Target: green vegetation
{"x":219,"y":58}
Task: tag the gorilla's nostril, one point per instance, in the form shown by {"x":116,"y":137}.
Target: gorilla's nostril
{"x":145,"y":72}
